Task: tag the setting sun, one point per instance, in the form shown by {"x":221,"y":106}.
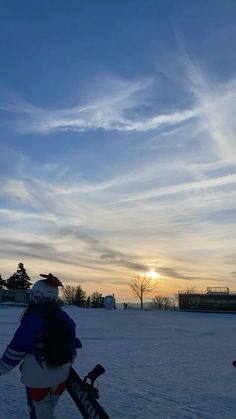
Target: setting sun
{"x":152,"y":274}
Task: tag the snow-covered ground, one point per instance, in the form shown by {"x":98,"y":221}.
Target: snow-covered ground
{"x":158,"y":364}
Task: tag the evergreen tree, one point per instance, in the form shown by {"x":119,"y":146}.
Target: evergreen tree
{"x":2,"y":282}
{"x":88,"y":302}
{"x":80,"y":297}
{"x":97,"y":300}
{"x":19,"y":280}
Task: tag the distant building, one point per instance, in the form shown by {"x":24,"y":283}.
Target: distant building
{"x":110,"y":302}
{"x":216,"y":299}
{"x":14,"y":297}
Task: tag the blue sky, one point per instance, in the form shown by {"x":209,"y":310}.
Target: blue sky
{"x":117,"y":143}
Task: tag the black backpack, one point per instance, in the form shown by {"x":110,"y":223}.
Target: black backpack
{"x":57,"y":341}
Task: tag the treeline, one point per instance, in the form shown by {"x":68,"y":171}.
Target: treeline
{"x":77,"y":296}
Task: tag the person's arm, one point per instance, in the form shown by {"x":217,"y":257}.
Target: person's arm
{"x":22,"y":342}
{"x":10,"y":360}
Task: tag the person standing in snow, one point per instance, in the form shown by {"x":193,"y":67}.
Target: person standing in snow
{"x":45,"y":345}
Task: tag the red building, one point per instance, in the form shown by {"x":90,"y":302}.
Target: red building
{"x":213,"y":300}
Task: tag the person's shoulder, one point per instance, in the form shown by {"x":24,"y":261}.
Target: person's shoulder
{"x":34,"y":318}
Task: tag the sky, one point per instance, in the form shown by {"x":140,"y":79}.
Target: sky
{"x":117,"y":142}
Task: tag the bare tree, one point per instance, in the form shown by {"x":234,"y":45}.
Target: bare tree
{"x":74,"y":295}
{"x":161,"y":303}
{"x":68,"y":294}
{"x":142,"y":285}
{"x":190,"y":291}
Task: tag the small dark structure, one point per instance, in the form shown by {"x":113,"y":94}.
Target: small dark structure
{"x":14,"y":297}
{"x":216,"y":300}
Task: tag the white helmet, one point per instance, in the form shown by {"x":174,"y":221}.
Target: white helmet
{"x":45,"y":289}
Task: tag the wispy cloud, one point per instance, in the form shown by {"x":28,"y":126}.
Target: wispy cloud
{"x":177,"y":198}
{"x":216,"y":107}
{"x":108,"y":113}
{"x":122,"y":108}
{"x":183,"y":188}
{"x":16,"y":189}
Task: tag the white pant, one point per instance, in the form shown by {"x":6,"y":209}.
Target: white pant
{"x":42,"y":401}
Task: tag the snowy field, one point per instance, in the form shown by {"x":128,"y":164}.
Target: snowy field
{"x":158,"y":364}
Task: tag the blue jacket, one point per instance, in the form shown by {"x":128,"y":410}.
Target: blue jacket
{"x":26,"y":341}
